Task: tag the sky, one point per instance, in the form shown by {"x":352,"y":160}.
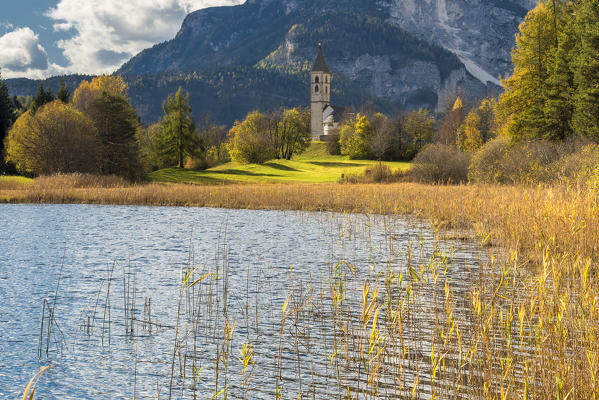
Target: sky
{"x":42,"y":38}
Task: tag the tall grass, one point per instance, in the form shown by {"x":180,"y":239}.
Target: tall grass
{"x":526,"y":326}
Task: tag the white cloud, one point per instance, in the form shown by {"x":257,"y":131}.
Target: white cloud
{"x":6,"y":25}
{"x":21,"y":54}
{"x":108,"y":32}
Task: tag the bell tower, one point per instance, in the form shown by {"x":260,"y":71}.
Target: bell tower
{"x":320,"y":95}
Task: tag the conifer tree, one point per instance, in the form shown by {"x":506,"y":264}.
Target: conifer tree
{"x":585,"y":119}
{"x":179,"y":137}
{"x":560,"y":87}
{"x":117,"y":124}
{"x":42,"y":97}
{"x":6,"y":117}
{"x":63,"y":94}
{"x":522,"y":105}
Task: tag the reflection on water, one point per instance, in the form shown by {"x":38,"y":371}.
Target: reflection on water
{"x":112,"y":276}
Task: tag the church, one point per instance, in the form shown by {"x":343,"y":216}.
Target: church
{"x":324,"y":116}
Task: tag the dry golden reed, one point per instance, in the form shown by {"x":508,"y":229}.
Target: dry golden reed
{"x":527,"y":329}
{"x":530,"y":220}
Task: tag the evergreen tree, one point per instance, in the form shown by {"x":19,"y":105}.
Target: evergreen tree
{"x":560,"y":87}
{"x":117,"y":124}
{"x":63,"y":94}
{"x":522,"y":105}
{"x":42,"y":97}
{"x":179,"y":137}
{"x":585,"y":119}
{"x":6,"y":117}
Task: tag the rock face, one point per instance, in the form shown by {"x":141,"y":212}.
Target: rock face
{"x":480,"y":32}
{"x":412,"y":53}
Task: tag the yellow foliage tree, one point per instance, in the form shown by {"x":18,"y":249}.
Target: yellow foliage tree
{"x":87,"y":91}
{"x":248,"y":142}
{"x":57,"y":138}
{"x":521,"y":106}
{"x":470,"y":135}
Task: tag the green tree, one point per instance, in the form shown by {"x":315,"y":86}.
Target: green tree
{"x":57,"y":138}
{"x":294,"y":132}
{"x":117,"y":124}
{"x":417,"y":130}
{"x":6,"y":117}
{"x":585,"y":119}
{"x":559,"y":105}
{"x":63,"y":94}
{"x":522,"y":105}
{"x":42,"y":97}
{"x":179,"y":136}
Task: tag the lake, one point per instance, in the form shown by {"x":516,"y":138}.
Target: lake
{"x":98,"y":291}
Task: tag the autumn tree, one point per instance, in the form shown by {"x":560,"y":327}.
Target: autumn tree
{"x":383,"y":140}
{"x":292,"y":132}
{"x":355,"y":137}
{"x":87,"y":91}
{"x":479,"y":126}
{"x":104,"y":100}
{"x":522,"y":106}
{"x":57,"y":138}
{"x":248,"y":142}
{"x":450,"y":126}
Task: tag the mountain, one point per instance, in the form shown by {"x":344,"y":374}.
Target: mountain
{"x":406,"y":51}
{"x":393,"y":54}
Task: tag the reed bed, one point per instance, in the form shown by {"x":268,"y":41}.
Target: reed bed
{"x":524,"y":325}
{"x":530,"y":220}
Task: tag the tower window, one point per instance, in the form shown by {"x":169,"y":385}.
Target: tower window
{"x":326,"y":79}
{"x":316,"y":80}
{"x":326,"y":90}
{"x":316,"y":89}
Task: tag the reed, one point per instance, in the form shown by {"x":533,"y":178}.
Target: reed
{"x":524,"y":325}
{"x":531,"y":220}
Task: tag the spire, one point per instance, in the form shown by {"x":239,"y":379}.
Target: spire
{"x":320,"y":65}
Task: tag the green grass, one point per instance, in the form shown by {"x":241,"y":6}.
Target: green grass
{"x":14,"y":179}
{"x":314,"y":166}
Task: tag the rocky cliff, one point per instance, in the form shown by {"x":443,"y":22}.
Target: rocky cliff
{"x":410,"y":52}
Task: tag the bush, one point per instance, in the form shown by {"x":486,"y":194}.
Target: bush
{"x":378,"y":173}
{"x":57,"y":138}
{"x":333,"y":147}
{"x":533,"y":161}
{"x":439,"y":163}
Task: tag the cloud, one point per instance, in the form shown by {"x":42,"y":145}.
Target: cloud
{"x":6,"y":25}
{"x":109,"y":32}
{"x":21,"y":54}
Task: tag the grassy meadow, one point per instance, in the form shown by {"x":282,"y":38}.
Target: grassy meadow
{"x":314,"y":166}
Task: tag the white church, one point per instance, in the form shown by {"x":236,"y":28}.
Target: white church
{"x":325,"y":117}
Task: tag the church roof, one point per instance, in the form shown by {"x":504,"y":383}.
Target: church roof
{"x":336,"y":111}
{"x":320,"y":65}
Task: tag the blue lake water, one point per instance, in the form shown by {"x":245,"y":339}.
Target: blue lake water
{"x":106,"y":270}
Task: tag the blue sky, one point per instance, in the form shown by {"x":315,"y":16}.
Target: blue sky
{"x":41,"y":38}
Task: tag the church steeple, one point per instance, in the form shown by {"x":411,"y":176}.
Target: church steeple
{"x":320,"y":65}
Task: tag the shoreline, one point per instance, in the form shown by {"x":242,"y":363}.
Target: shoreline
{"x":529,"y":220}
